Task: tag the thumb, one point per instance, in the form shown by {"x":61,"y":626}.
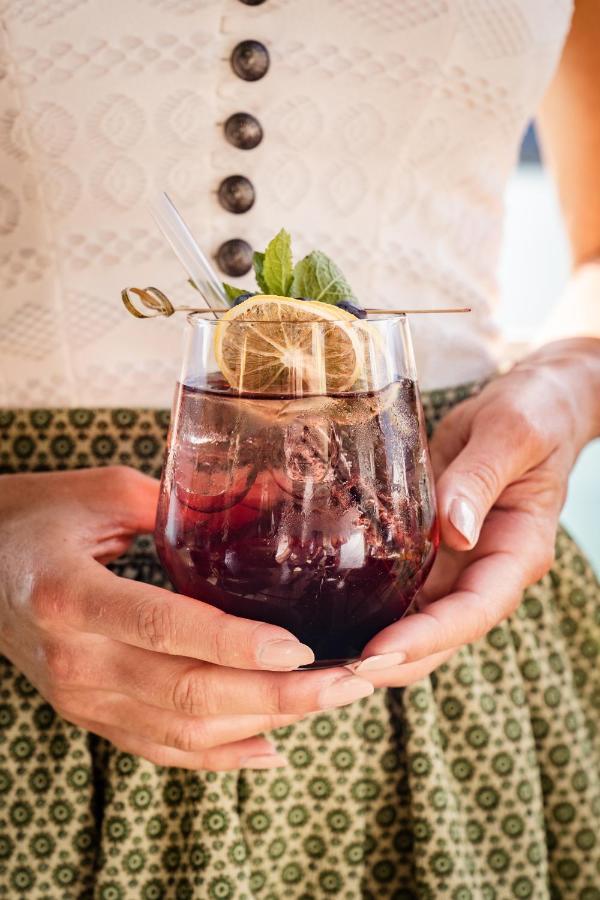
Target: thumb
{"x":471,"y":484}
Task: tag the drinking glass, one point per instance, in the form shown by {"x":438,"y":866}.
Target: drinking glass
{"x":300,"y":504}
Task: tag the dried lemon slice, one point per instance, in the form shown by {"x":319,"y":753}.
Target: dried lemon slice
{"x":268,"y":344}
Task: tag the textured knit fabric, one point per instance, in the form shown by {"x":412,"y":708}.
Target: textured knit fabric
{"x":480,"y":782}
{"x":390,"y":128}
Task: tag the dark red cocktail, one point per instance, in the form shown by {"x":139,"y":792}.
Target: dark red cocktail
{"x":314,"y":513}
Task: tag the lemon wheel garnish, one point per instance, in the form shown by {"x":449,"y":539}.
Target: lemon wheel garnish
{"x":267,"y":344}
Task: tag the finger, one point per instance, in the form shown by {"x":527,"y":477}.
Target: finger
{"x":499,"y":449}
{"x":155,"y":619}
{"x":127,"y":496}
{"x":381,"y":675}
{"x":253,"y":753}
{"x":442,"y":578}
{"x":199,"y":689}
{"x":191,"y":734}
{"x":513,"y":552}
{"x":459,"y":618}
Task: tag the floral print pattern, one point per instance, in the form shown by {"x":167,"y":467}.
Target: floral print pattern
{"x":480,"y":782}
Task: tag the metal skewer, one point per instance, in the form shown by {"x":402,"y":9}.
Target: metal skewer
{"x":159,"y":304}
{"x":412,"y":312}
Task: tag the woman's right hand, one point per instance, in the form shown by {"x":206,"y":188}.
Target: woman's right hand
{"x":160,"y":675}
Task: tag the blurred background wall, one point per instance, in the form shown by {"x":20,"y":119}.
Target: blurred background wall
{"x":533,"y":269}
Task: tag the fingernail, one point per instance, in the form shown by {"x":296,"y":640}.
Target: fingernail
{"x":263,"y":761}
{"x":285,"y":654}
{"x":345,"y":690}
{"x":462,"y":516}
{"x":383,"y":661}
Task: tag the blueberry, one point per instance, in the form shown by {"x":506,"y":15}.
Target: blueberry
{"x":352,"y":308}
{"x":241,"y":298}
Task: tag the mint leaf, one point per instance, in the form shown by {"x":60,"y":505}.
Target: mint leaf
{"x":318,"y":278}
{"x":232,"y":292}
{"x":258,"y":261}
{"x":277,"y":264}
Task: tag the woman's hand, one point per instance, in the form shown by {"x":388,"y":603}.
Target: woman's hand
{"x":159,"y":674}
{"x":502,"y":461}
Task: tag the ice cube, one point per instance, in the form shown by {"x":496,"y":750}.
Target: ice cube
{"x":352,"y":552}
{"x":308,"y":449}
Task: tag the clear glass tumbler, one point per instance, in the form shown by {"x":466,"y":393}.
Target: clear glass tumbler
{"x":304,"y":498}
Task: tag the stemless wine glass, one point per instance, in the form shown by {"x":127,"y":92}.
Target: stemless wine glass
{"x":305,"y":500}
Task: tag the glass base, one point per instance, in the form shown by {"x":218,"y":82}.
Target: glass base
{"x":330,"y":663}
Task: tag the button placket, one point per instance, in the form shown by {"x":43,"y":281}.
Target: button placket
{"x":249,"y":61}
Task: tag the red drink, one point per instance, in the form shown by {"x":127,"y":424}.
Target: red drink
{"x":316,"y":514}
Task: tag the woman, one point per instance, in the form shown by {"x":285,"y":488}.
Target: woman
{"x":132,"y":758}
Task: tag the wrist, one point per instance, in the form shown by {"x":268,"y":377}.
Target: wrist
{"x":577,"y":312}
{"x":573,"y":364}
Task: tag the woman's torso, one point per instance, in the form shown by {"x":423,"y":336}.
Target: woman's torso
{"x":389,"y":132}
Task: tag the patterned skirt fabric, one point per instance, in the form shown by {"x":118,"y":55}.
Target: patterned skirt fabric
{"x":481,"y":782}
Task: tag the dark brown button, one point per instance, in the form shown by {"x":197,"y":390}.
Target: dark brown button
{"x":243,"y":131}
{"x":234,"y":257}
{"x":236,"y":194}
{"x":252,"y":2}
{"x":250,"y":60}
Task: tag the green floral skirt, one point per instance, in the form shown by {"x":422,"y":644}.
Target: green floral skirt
{"x":481,"y":782}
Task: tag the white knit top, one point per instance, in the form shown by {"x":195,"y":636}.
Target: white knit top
{"x":389,"y":130}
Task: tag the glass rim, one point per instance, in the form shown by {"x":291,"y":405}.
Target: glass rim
{"x":208,"y":317}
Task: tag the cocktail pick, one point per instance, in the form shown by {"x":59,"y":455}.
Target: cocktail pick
{"x":159,"y":304}
{"x":187,"y":250}
{"x":412,"y":312}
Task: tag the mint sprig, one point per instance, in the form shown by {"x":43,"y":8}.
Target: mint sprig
{"x":315,"y":277}
{"x":278,"y":267}
{"x":258,"y":261}
{"x":232,"y":292}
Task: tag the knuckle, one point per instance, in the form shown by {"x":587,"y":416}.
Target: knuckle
{"x":160,"y":756}
{"x":484,"y":474}
{"x":276,"y":698}
{"x":62,"y":663}
{"x":189,"y":694}
{"x":436,"y":635}
{"x":185,"y":736}
{"x":49,"y":600}
{"x":220,"y":643}
{"x":215,"y":636}
{"x":154,"y":626}
{"x":119,"y":481}
{"x":65,"y":703}
{"x":520,"y":423}
{"x":525,"y":429}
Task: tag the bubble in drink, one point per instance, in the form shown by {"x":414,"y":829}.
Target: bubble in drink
{"x":316,"y":514}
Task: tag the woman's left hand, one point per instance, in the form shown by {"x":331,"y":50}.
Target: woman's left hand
{"x":502,"y":461}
